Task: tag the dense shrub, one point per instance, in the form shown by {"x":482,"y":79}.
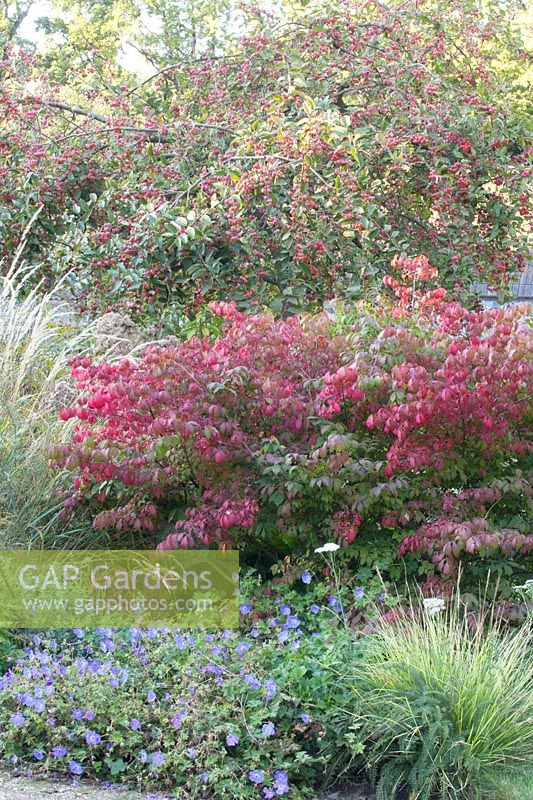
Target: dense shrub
{"x":442,"y":708}
{"x":405,"y":426}
{"x":283,"y":172}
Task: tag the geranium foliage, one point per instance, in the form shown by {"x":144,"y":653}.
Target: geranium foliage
{"x":284,"y":172}
{"x":398,"y":428}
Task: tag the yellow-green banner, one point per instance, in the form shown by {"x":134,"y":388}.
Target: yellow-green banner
{"x":119,"y":589}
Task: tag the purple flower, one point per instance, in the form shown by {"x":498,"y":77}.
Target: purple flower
{"x":93,"y":738}
{"x":305,"y":718}
{"x":314,"y":609}
{"x":143,"y":755}
{"x":18,"y":718}
{"x":158,"y":759}
{"x":58,"y":751}
{"x":245,"y":608}
{"x":242,"y":648}
{"x":27,"y":699}
{"x":268,"y":793}
{"x":380,"y":597}
{"x":39,"y":706}
{"x":285,"y":609}
{"x":38,"y":755}
{"x":77,"y":713}
{"x":281,"y":782}
{"x":293,"y":621}
{"x":359,"y":593}
{"x":150,"y":695}
{"x":176,"y":721}
{"x":271,"y":688}
{"x":232,"y":740}
{"x":135,"y":724}
{"x":252,"y":681}
{"x":75,"y":767}
{"x":192,"y":753}
{"x":89,"y":716}
{"x":256,"y":776}
{"x":334,"y":603}
{"x":306,"y":577}
{"x":268,"y":729}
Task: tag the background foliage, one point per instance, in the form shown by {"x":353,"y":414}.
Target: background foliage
{"x":285,"y":169}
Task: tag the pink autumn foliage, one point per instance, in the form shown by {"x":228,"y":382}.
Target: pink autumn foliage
{"x":438,"y":397}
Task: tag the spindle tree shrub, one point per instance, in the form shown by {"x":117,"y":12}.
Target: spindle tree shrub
{"x":401,"y":430}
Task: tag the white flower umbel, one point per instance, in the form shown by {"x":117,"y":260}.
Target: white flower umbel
{"x":329,"y":547}
{"x":434,"y":604}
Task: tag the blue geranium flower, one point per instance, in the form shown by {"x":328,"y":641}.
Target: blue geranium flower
{"x":268,"y":729}
{"x":232,"y":740}
{"x":306,"y":577}
{"x":252,"y":681}
{"x":256,"y":776}
{"x":281,"y":782}
{"x":333,"y":603}
{"x":75,"y":767}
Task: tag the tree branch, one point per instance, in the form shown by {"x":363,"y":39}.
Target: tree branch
{"x":151,"y":133}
